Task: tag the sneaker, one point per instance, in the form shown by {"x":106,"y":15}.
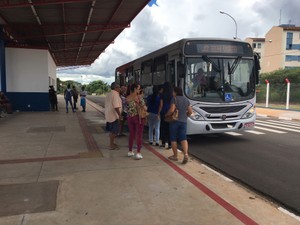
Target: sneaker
{"x":150,"y":143}
{"x":156,"y":144}
{"x":138,"y":156}
{"x":130,"y":153}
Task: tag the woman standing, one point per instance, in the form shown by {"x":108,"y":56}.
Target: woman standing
{"x":178,"y":128}
{"x":83,"y":95}
{"x":153,"y":102}
{"x":135,"y":123}
{"x":164,"y":107}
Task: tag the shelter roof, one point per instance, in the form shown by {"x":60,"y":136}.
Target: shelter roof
{"x":75,"y":32}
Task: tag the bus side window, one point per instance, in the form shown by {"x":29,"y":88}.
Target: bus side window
{"x":159,"y":71}
{"x":181,"y":70}
{"x":170,"y":76}
{"x":146,"y":73}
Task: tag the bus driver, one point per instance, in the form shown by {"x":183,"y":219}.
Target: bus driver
{"x":201,"y":81}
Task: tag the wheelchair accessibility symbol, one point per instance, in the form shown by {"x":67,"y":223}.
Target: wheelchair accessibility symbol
{"x":228,"y":97}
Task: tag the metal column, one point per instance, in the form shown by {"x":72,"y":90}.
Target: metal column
{"x":2,"y":63}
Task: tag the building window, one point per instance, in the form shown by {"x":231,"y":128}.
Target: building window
{"x":289,"y":58}
{"x":254,"y":45}
{"x":289,"y":40}
{"x":295,"y":47}
{"x":258,"y":45}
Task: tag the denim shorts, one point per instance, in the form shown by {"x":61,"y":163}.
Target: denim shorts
{"x":113,"y":127}
{"x":177,"y":131}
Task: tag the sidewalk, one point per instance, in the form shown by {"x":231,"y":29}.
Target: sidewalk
{"x":55,"y":168}
{"x":278,"y":113}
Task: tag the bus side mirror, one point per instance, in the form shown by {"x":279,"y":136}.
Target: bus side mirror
{"x":181,"y":70}
{"x":256,"y":67}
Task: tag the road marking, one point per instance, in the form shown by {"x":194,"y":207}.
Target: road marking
{"x":233,"y":133}
{"x":278,"y":127}
{"x":285,"y":122}
{"x":254,"y":132}
{"x":281,"y":124}
{"x":289,"y":213}
{"x":271,"y":130}
{"x":220,"y":175}
{"x":262,"y":115}
{"x":284,"y":118}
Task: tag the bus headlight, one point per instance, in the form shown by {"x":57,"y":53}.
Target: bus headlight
{"x":196,"y":116}
{"x":249,"y":113}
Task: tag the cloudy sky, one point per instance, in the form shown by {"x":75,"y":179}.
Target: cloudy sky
{"x":163,"y":22}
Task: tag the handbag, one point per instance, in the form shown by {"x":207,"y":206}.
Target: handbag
{"x":174,"y":116}
{"x":142,"y":111}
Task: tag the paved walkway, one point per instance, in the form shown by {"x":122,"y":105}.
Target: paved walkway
{"x":279,"y":113}
{"x":55,"y":168}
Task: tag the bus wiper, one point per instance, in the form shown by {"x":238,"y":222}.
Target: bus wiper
{"x":214,"y":65}
{"x":234,"y":65}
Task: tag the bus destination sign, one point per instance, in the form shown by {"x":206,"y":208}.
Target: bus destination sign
{"x":222,"y":48}
{"x":217,"y":48}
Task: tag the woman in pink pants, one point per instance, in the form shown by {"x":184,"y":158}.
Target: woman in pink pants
{"x":135,"y":123}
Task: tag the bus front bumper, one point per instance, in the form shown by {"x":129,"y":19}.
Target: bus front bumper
{"x":210,"y":127}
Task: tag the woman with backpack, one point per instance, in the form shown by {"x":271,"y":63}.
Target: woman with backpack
{"x":68,"y":98}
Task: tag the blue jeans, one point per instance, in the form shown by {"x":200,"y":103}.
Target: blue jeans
{"x":71,"y":104}
{"x":177,"y":131}
{"x":154,"y":124}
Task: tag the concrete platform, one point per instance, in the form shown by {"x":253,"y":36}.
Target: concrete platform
{"x":98,"y":186}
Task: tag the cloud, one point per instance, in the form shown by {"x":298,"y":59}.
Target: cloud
{"x":167,"y":21}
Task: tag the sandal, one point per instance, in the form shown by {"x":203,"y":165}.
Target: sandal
{"x":173,"y":158}
{"x":185,"y":159}
{"x":113,"y":148}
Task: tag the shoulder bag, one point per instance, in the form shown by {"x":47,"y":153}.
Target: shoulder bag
{"x":172,"y":117}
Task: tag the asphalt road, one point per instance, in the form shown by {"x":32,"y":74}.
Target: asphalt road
{"x":267,"y":159}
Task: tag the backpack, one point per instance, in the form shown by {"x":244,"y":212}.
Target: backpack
{"x":166,"y":105}
{"x":68,"y":94}
{"x":75,"y":93}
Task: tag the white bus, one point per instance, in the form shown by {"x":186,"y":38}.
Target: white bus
{"x":222,"y":97}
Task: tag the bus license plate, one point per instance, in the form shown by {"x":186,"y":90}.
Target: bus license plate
{"x":248,"y":125}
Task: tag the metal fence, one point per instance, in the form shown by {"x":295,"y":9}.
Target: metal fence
{"x":278,"y":94}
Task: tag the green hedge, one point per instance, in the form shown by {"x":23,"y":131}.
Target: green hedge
{"x":278,"y":86}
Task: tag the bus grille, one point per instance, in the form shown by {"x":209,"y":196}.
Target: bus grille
{"x":225,"y":109}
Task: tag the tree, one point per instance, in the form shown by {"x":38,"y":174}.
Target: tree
{"x":98,"y":87}
{"x":62,"y":85}
{"x":279,"y":76}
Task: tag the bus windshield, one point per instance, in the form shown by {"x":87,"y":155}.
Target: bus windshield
{"x":217,"y":79}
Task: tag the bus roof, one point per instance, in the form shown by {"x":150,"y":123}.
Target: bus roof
{"x":178,"y":43}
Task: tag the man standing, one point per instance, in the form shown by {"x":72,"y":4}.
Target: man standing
{"x":75,"y":97}
{"x":68,"y":98}
{"x":53,"y":98}
{"x":113,"y":109}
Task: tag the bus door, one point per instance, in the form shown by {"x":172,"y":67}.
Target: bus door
{"x":170,"y":76}
{"x":137,"y":77}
